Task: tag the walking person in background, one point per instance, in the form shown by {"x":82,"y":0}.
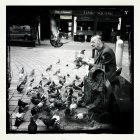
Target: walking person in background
{"x":113,"y":36}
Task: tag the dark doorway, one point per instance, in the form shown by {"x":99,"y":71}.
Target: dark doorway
{"x":45,"y":27}
{"x":64,"y":26}
{"x":106,"y":28}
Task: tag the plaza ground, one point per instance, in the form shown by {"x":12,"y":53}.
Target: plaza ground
{"x":39,"y":58}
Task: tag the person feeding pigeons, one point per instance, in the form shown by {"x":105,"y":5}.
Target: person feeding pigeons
{"x":101,"y":77}
{"x":105,"y":57}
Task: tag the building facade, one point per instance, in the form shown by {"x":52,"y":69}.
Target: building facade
{"x":83,"y":24}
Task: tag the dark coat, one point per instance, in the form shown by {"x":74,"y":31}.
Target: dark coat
{"x":106,"y":57}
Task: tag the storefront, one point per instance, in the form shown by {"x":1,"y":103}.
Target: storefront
{"x":91,"y":22}
{"x":82,"y":24}
{"x":64,"y":20}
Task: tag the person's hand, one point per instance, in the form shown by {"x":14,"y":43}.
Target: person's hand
{"x":90,"y":106}
{"x":85,"y":61}
{"x":91,"y":61}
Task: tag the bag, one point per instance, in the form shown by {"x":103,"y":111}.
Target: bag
{"x":96,"y":86}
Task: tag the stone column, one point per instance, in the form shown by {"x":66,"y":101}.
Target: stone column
{"x":119,"y":52}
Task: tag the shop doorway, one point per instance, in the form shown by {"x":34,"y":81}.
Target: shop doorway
{"x":45,"y":27}
{"x":64,"y":26}
{"x":106,"y":29}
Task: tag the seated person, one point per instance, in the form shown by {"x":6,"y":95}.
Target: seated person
{"x":106,"y":62}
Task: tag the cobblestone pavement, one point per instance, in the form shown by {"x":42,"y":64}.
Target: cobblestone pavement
{"x":39,"y":58}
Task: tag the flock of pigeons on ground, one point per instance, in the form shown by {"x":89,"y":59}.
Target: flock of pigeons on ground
{"x":47,"y":96}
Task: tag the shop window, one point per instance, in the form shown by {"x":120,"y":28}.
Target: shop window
{"x":86,"y":25}
{"x":79,"y":28}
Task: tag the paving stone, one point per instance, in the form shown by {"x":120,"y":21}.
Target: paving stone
{"x":40,"y":58}
{"x":10,"y":112}
{"x":13,"y":122}
{"x":31,"y":106}
{"x":41,"y":128}
{"x":13,"y":128}
{"x":15,"y":98}
{"x":11,"y":93}
{"x":13,"y":116}
{"x":28,"y":115}
{"x":13,"y":103}
{"x":12,"y":88}
{"x":16,"y":94}
{"x":25,"y":99}
{"x":10,"y":96}
{"x":23,"y":126}
{"x":12,"y":107}
{"x":39,"y":123}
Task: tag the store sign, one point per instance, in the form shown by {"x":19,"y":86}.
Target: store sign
{"x":62,"y":11}
{"x":85,"y":18}
{"x":94,"y":12}
{"x":65,"y":17}
{"x":89,"y":12}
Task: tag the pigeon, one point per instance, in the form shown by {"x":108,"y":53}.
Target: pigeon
{"x":80,"y":101}
{"x":32,"y":80}
{"x":48,"y":110}
{"x":19,"y":116}
{"x":118,"y":71}
{"x":22,"y":104}
{"x":56,"y":112}
{"x":79,"y":59}
{"x":62,"y":80}
{"x":36,"y":87}
{"x":71,"y":84}
{"x":69,"y":98}
{"x":20,"y":87}
{"x":22,"y":70}
{"x":77,"y":77}
{"x":81,"y":55}
{"x":81,"y":116}
{"x":21,"y":74}
{"x":58,"y":62}
{"x":68,"y":75}
{"x":81,"y":85}
{"x":35,"y":110}
{"x":57,"y":117}
{"x":76,"y":87}
{"x":32,"y":127}
{"x":67,"y":113}
{"x":58,"y":103}
{"x":25,"y":80}
{"x":40,"y":83}
{"x":48,"y":122}
{"x":32,"y":73}
{"x":82,"y":52}
{"x":29,"y":89}
{"x":41,"y":104}
{"x":54,"y":95}
{"x":49,"y":68}
{"x":58,"y":71}
{"x":78,"y":64}
{"x":36,"y":99}
{"x":47,"y":84}
{"x":43,"y":77}
{"x":59,"y":86}
{"x":73,"y":105}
